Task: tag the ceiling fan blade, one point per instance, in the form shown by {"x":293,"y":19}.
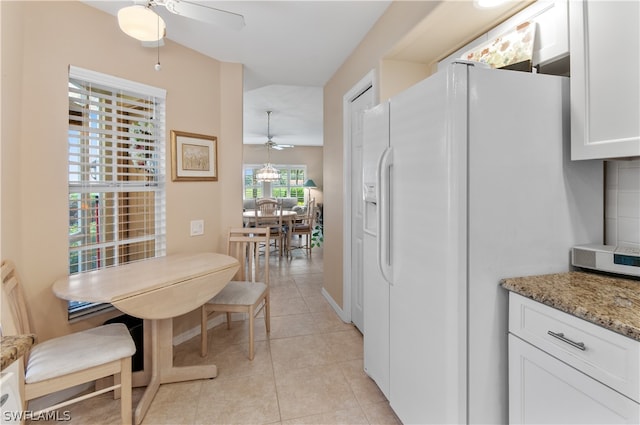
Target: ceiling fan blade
{"x":277,"y":147}
{"x":206,"y":14}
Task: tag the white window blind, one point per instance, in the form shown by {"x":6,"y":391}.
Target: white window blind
{"x":116,"y":173}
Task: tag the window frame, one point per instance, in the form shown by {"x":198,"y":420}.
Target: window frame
{"x":260,"y":187}
{"x":108,"y":168}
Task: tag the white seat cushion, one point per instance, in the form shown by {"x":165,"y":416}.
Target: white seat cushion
{"x":79,"y":351}
{"x":239,"y":293}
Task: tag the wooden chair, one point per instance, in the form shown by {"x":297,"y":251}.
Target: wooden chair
{"x":305,"y":227}
{"x":69,"y":360}
{"x":249,"y":291}
{"x":273,"y":208}
{"x":267,"y":206}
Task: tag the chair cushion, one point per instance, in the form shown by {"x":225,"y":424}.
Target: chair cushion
{"x":274,"y":231}
{"x":239,"y":293}
{"x":79,"y":351}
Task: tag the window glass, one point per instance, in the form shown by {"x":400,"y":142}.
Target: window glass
{"x":116,"y":151}
{"x":292,"y":177}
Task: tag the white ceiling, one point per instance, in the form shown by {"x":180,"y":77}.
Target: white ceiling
{"x":289,"y":50}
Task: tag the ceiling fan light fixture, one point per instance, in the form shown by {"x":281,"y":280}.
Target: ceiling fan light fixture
{"x":141,"y":23}
{"x":268,"y":173}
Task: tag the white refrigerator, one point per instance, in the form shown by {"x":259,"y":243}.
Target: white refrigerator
{"x":467,"y":179}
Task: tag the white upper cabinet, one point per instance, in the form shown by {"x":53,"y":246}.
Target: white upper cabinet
{"x":605,"y":79}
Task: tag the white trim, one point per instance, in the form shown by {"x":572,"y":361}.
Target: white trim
{"x":368,"y":81}
{"x":111,"y":81}
{"x":340,"y":312}
{"x":215,"y":321}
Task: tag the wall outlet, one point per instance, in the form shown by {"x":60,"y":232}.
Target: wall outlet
{"x":197,"y":227}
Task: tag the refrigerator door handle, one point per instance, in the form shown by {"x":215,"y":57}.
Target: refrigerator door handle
{"x":384,"y":242}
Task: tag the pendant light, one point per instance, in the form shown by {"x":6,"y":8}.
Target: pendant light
{"x":268,"y":173}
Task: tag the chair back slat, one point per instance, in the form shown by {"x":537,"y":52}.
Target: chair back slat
{"x":15,"y":315}
{"x":267,"y":205}
{"x":268,"y":212}
{"x":244,"y":244}
{"x":311,"y":211}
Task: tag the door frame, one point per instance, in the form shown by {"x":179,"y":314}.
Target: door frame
{"x":369,"y":81}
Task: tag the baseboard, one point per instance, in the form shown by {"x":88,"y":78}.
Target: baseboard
{"x":195,"y":331}
{"x":341,"y":314}
{"x":57,"y":397}
{"x":217,"y":320}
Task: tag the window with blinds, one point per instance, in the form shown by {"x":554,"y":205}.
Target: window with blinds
{"x":116,"y":174}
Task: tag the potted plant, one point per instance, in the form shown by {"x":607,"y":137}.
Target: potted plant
{"x":316,"y":236}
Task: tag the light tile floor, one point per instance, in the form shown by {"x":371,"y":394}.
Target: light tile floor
{"x":308,"y":370}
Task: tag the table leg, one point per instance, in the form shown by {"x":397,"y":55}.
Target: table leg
{"x":288,"y":241}
{"x":171,"y":373}
{"x":141,"y":378}
{"x":154,"y":384}
{"x":162,"y":369}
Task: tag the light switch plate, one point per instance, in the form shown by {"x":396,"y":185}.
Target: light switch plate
{"x":197,"y":227}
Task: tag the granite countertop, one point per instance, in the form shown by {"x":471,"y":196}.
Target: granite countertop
{"x":15,"y":346}
{"x":611,"y":302}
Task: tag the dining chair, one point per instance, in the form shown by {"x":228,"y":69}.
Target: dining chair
{"x":267,"y":205}
{"x":305,"y":226}
{"x":69,"y":360}
{"x":248,"y":292}
{"x":268,"y":213}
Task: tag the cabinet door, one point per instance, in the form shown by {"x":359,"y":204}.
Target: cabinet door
{"x":605,"y":79}
{"x":544,"y":390}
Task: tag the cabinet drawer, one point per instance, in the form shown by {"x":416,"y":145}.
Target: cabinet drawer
{"x":606,"y":356}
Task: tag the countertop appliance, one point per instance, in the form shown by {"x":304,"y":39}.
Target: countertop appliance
{"x":467,"y":180}
{"x":607,"y":258}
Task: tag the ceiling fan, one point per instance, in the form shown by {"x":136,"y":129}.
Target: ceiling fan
{"x":142,"y":23}
{"x":270,"y":143}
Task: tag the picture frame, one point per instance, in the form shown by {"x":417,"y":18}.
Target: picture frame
{"x":194,"y":157}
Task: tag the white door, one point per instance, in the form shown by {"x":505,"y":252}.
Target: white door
{"x":358,"y":106}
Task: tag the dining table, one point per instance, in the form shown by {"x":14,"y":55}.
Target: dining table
{"x":156,"y":290}
{"x":288,"y":219}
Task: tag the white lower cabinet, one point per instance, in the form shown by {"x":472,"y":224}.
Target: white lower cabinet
{"x":546,"y":390}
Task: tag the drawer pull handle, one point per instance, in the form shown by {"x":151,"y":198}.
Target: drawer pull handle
{"x":561,"y":337}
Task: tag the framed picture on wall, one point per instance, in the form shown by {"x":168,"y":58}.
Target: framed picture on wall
{"x":194,"y":157}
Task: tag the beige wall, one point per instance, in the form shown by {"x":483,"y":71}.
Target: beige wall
{"x":398,"y":20}
{"x":39,"y":41}
{"x":311,"y":156}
